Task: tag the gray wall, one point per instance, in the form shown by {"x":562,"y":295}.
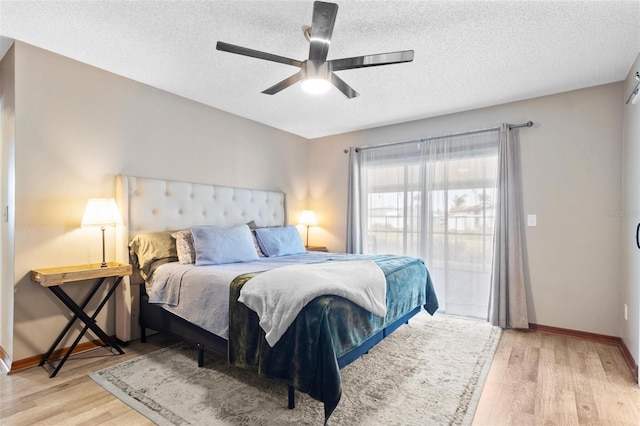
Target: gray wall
{"x":571,"y":181}
{"x":76,"y":128}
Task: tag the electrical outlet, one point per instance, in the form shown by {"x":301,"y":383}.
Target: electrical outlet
{"x":625,"y":312}
{"x":531,"y":220}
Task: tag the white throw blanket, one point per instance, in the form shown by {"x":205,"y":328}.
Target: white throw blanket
{"x":278,"y":295}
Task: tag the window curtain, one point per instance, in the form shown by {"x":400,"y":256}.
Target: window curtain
{"x":354,"y":222}
{"x":434,"y":199}
{"x":508,"y":305}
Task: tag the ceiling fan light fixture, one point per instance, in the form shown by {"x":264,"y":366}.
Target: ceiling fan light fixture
{"x":315,"y":86}
{"x":315,"y":77}
{"x":317,"y":73}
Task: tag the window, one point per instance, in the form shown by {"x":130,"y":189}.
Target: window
{"x":434,"y":199}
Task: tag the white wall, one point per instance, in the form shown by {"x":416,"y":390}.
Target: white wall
{"x":571,"y":180}
{"x":630,"y":217}
{"x":76,"y":128}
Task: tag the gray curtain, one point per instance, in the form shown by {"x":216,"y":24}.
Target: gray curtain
{"x":507,"y":303}
{"x":354,"y":218}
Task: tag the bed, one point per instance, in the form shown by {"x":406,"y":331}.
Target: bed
{"x":328,"y":333}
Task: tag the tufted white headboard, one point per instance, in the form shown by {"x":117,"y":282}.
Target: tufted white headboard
{"x":151,"y":205}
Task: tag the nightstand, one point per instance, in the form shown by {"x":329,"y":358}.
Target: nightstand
{"x":317,"y":248}
{"x":55,"y":278}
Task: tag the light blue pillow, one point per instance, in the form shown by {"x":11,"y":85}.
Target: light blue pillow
{"x":215,"y":246}
{"x":280,"y":241}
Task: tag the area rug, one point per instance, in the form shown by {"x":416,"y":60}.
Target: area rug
{"x":429,"y":372}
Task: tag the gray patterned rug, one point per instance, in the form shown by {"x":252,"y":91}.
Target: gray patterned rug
{"x":429,"y":372}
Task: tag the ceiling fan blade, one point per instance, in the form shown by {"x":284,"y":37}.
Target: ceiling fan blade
{"x":232,"y":48}
{"x":282,"y":85}
{"x":372,"y":60}
{"x":324,"y":18}
{"x":343,"y":87}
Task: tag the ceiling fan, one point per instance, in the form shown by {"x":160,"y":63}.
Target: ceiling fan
{"x":316,"y":73}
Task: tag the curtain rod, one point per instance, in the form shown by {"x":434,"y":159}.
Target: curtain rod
{"x":511,"y":126}
{"x":634,"y":92}
{"x":517,"y":126}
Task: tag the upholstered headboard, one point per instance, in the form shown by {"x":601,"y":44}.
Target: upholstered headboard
{"x":151,"y":205}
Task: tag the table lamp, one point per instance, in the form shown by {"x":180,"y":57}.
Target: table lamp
{"x":101,"y":212}
{"x":308,"y":218}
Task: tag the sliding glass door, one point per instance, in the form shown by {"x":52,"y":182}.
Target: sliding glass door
{"x":434,"y":199}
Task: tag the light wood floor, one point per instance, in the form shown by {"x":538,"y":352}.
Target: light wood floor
{"x":535,"y":378}
{"x":545,"y":379}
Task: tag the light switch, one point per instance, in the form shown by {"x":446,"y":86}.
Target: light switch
{"x":531,"y":220}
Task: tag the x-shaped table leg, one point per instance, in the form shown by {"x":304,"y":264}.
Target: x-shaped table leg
{"x":89,"y":321}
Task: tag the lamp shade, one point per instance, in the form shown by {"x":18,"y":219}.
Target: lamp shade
{"x":101,"y":212}
{"x":308,"y":218}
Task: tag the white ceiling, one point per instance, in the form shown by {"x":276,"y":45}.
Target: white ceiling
{"x":467,"y":54}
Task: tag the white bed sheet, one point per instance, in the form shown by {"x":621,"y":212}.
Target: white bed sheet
{"x":200,"y":294}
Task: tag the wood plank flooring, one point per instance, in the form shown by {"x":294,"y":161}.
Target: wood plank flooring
{"x":30,"y":397}
{"x":535,"y":379}
{"x":545,"y":379}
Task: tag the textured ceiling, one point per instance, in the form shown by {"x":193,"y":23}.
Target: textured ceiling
{"x":467,"y":54}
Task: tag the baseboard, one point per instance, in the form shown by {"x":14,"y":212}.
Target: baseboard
{"x":5,"y":361}
{"x":33,"y":361}
{"x":593,"y":337}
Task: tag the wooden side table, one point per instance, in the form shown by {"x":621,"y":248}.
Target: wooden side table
{"x":317,"y":248}
{"x":55,"y":278}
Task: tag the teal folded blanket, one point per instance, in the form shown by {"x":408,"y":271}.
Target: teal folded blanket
{"x":306,"y":356}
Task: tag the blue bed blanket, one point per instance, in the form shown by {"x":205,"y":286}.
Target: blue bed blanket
{"x":306,"y":356}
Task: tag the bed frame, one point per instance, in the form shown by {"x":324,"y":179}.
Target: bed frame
{"x":156,"y":318}
{"x":150,"y":205}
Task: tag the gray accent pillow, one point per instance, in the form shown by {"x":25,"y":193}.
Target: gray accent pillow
{"x":146,"y":249}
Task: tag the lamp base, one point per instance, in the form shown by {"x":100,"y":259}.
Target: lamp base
{"x":103,"y":264}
